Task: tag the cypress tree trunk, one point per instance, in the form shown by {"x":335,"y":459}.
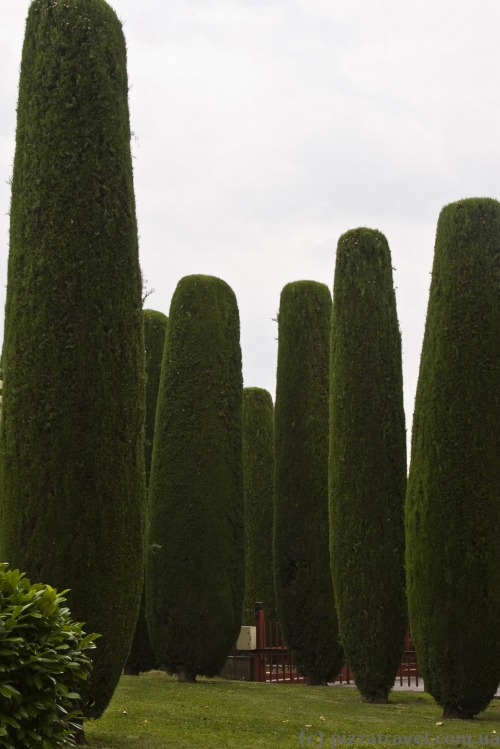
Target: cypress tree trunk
{"x":258,"y":480}
{"x":141,"y":657}
{"x":72,"y":453}
{"x":304,"y":591}
{"x":453,"y":500}
{"x":367,"y":463}
{"x":195,"y":554}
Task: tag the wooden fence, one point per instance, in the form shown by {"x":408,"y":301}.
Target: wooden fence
{"x":272,"y":661}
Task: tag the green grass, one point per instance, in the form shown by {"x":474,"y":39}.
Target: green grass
{"x":153,"y":711}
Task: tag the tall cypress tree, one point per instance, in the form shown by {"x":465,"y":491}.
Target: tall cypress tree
{"x":304,"y":591}
{"x":71,"y":436}
{"x":453,"y":500}
{"x":195,"y":561}
{"x":258,"y":480}
{"x":367,"y":463}
{"x":141,"y":656}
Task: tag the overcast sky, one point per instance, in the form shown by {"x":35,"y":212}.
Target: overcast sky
{"x":264,"y":129}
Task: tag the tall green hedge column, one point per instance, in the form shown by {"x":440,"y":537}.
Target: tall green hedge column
{"x":72,"y":434}
{"x":258,"y":474}
{"x":367,"y":463}
{"x":195,"y":568}
{"x":141,"y":656}
{"x":304,"y":591}
{"x":453,"y":500}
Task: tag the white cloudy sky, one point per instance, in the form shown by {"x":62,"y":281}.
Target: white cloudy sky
{"x":267,"y":128}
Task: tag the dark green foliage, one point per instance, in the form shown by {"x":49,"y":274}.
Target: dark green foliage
{"x":141,"y":656}
{"x":367,"y":462}
{"x":43,"y":665}
{"x":258,"y":481}
{"x":304,"y":591}
{"x":155,"y":330}
{"x":195,"y":556}
{"x":453,"y":500}
{"x":72,"y":436}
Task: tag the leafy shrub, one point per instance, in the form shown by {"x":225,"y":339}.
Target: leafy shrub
{"x":41,"y":662}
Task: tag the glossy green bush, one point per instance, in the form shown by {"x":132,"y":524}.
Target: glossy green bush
{"x":42,"y":660}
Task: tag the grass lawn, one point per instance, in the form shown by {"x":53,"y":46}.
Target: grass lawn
{"x":153,"y":711}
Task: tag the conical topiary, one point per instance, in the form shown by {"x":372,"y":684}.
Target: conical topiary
{"x":303,"y":583}
{"x":367,"y":463}
{"x":453,"y":500}
{"x":71,"y":436}
{"x":258,"y":475}
{"x":195,"y":553}
{"x":141,"y":656}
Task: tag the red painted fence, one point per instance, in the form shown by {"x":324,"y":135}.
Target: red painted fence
{"x":272,"y":661}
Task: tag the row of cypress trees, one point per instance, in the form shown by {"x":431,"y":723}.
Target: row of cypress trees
{"x":452,"y":502}
{"x":339,"y":391}
{"x":452,"y":507}
{"x":185,"y":460}
{"x":368,"y":470}
{"x":73,"y":381}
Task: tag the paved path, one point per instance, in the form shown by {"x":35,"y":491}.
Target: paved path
{"x":405,"y":687}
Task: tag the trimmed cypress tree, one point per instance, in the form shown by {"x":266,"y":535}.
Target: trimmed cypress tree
{"x":367,"y":478}
{"x":453,"y":500}
{"x":141,"y":656}
{"x":195,"y":564}
{"x":258,"y":481}
{"x":303,"y":583}
{"x":72,"y":434}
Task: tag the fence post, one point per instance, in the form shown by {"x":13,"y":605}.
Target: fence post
{"x":259,"y":659}
{"x":260,"y":623}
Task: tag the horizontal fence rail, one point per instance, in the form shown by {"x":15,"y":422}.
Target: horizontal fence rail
{"x":272,"y":661}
